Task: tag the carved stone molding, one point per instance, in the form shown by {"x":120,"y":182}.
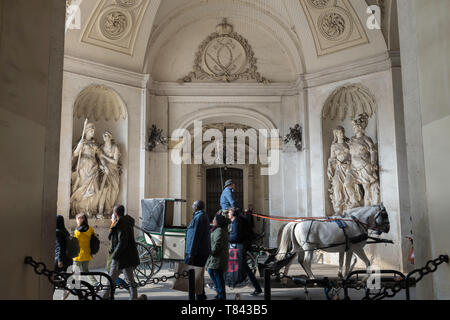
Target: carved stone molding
{"x":115,"y":23}
{"x":334,"y":24}
{"x":225,"y":56}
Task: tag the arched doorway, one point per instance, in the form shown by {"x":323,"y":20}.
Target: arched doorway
{"x":215,"y":179}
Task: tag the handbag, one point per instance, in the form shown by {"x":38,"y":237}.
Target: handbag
{"x":182,"y":283}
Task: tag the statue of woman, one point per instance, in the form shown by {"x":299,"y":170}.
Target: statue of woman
{"x":364,"y":167}
{"x":84,"y":198}
{"x":338,"y":166}
{"x":109,"y":164}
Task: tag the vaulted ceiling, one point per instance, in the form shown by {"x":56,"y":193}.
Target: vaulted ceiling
{"x":164,"y":38}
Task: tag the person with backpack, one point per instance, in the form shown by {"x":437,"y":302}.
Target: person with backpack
{"x":123,"y":251}
{"x":84,"y":233}
{"x":217,"y":262}
{"x":241,"y":234}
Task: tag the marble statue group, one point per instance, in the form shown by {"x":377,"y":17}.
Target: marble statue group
{"x":353,"y":168}
{"x":95,"y":174}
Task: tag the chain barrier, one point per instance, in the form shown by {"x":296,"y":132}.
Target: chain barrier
{"x":59,"y":280}
{"x":409,"y":280}
{"x":87,"y":291}
{"x":399,"y":282}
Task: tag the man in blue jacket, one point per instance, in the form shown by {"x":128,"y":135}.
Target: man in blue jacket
{"x":228,"y":198}
{"x":198,"y":239}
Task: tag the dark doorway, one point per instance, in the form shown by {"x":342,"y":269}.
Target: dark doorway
{"x":215,"y":179}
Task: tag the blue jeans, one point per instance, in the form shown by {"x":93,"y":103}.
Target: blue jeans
{"x":219,"y":282}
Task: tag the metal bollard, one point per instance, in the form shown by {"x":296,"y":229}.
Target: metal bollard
{"x":191,"y":285}
{"x":267,"y":289}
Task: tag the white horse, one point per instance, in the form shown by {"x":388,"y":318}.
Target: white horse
{"x":303,"y":238}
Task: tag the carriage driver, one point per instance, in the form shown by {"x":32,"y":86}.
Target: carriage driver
{"x":228,"y":198}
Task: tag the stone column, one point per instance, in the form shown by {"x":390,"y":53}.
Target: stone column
{"x":31,"y":63}
{"x":414,"y":141}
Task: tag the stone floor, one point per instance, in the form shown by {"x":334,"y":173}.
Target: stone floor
{"x":279,"y":291}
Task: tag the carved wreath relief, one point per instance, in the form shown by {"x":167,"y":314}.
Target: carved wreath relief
{"x":225,"y":56}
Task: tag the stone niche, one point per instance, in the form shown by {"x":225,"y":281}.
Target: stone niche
{"x":344,"y":105}
{"x":106,"y":111}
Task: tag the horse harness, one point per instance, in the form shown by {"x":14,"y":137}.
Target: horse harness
{"x":342,"y":225}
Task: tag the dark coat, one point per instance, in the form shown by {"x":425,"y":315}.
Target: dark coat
{"x":123,"y":246}
{"x":240,"y":231}
{"x":218,"y":258}
{"x":198,"y":242}
{"x":60,"y":246}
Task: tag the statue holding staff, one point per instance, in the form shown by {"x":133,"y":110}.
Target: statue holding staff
{"x":84,"y":197}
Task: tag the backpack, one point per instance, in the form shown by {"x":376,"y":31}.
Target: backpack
{"x":72,"y":247}
{"x":95,"y":244}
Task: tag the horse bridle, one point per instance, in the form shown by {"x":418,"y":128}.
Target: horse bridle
{"x":367,"y":227}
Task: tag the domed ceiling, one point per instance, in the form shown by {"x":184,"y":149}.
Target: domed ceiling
{"x":168,"y":39}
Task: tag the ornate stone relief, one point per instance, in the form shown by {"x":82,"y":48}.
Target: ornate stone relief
{"x":96,"y":174}
{"x":349,"y":101}
{"x":353,"y":168}
{"x":115,"y":24}
{"x":225,"y":56}
{"x":334,"y":24}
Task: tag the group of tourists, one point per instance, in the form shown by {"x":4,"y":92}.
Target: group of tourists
{"x":209,"y":248}
{"x":123,"y":256}
{"x":206,"y":246}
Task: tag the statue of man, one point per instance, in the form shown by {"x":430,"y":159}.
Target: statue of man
{"x":338,"y":167}
{"x":85,"y":173}
{"x":364,"y":167}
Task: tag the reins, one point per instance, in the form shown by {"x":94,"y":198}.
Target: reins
{"x":301,"y":219}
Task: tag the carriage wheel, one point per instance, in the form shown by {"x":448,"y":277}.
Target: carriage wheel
{"x":157,"y":259}
{"x":156,"y":255}
{"x":145,"y":269}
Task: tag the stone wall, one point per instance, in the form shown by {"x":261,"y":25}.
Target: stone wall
{"x":30,"y":104}
{"x":434,"y":73}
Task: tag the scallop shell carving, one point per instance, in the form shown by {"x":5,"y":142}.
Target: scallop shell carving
{"x":349,"y":101}
{"x":97,"y":102}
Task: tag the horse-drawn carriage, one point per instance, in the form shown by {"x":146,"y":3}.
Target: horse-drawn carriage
{"x":160,"y":240}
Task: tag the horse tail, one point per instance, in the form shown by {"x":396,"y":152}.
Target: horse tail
{"x":285,"y":245}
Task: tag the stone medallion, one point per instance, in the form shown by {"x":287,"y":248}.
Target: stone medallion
{"x":335,"y":24}
{"x":115,"y":24}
